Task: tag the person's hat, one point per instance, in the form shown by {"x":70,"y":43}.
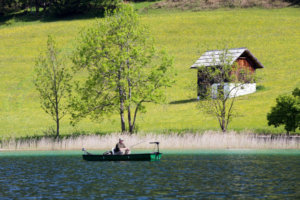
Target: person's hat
{"x":121,"y":139}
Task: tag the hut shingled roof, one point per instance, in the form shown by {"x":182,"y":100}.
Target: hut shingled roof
{"x":214,"y":57}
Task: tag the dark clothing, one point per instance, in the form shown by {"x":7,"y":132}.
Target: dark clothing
{"x":118,"y":146}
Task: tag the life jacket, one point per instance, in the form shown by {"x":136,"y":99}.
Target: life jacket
{"x":117,"y":149}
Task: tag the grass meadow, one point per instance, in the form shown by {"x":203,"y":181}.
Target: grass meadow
{"x":272,"y":35}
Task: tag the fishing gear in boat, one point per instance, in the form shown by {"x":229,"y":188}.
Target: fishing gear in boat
{"x":130,"y":147}
{"x":157,"y":145}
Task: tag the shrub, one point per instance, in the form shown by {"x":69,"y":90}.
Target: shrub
{"x":286,"y":112}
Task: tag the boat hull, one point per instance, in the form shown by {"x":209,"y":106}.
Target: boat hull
{"x":129,"y":157}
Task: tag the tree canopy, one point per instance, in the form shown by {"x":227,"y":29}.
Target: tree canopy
{"x":286,"y":111}
{"x":124,"y":69}
{"x":56,"y":7}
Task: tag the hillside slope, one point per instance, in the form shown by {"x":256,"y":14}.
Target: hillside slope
{"x":271,"y":35}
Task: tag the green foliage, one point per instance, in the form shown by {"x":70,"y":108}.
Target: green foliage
{"x":124,"y":68}
{"x":286,"y":112}
{"x":52,"y":81}
{"x":73,"y":7}
{"x":11,"y":6}
{"x":6,"y":6}
{"x":59,"y":8}
{"x":296,"y":93}
{"x":68,"y":7}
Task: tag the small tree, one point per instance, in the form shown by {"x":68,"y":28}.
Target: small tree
{"x":52,"y":81}
{"x":286,"y":112}
{"x":124,"y":69}
{"x":220,"y":97}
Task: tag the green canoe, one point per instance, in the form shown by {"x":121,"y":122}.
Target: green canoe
{"x":130,"y":157}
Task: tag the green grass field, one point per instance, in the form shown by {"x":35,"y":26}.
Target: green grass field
{"x":272,"y":35}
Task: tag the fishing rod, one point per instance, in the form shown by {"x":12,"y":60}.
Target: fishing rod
{"x":156,"y":143}
{"x":138,"y":143}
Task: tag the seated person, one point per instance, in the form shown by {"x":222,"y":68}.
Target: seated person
{"x":120,"y":148}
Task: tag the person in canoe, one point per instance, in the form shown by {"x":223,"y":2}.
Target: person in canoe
{"x":120,"y":148}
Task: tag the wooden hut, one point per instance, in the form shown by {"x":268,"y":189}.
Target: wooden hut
{"x":241,"y":58}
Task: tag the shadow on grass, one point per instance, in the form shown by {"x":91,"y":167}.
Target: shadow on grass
{"x":44,"y":17}
{"x":51,"y":16}
{"x":183,"y":101}
{"x":260,"y":88}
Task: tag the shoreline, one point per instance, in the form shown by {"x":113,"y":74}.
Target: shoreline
{"x":208,"y":140}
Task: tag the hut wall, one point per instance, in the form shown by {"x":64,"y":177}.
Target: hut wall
{"x":245,"y":69}
{"x":245,"y":64}
{"x":236,"y":90}
{"x":204,"y":83}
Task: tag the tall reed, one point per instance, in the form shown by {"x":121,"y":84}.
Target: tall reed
{"x":206,"y":140}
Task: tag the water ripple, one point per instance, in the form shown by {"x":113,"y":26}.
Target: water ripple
{"x":208,"y":176}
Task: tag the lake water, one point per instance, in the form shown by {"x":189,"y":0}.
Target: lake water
{"x":220,"y":174}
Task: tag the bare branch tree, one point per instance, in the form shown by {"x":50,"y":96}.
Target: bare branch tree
{"x":52,"y":81}
{"x":227,"y":79}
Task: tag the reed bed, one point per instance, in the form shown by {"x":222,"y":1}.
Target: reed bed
{"x":206,"y":140}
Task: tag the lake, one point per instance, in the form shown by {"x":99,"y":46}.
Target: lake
{"x":189,"y":174}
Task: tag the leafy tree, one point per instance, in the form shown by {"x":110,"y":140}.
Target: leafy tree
{"x":58,"y":8}
{"x":124,"y":69}
{"x":220,"y":97}
{"x":286,"y":112}
{"x":71,"y":7}
{"x":296,"y":93}
{"x":9,"y":6}
{"x":68,"y":7}
{"x":52,"y":81}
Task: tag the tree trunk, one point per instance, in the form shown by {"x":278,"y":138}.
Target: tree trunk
{"x":123,"y":128}
{"x":131,"y":129}
{"x":121,"y":95}
{"x":57,"y":128}
{"x":130,"y":125}
{"x":223,"y":126}
{"x":53,"y":59}
{"x":223,"y":114}
{"x":122,"y":114}
{"x":129,"y":120}
{"x":37,"y":6}
{"x":135,"y":114}
{"x":44,"y":6}
{"x":56,"y":111}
